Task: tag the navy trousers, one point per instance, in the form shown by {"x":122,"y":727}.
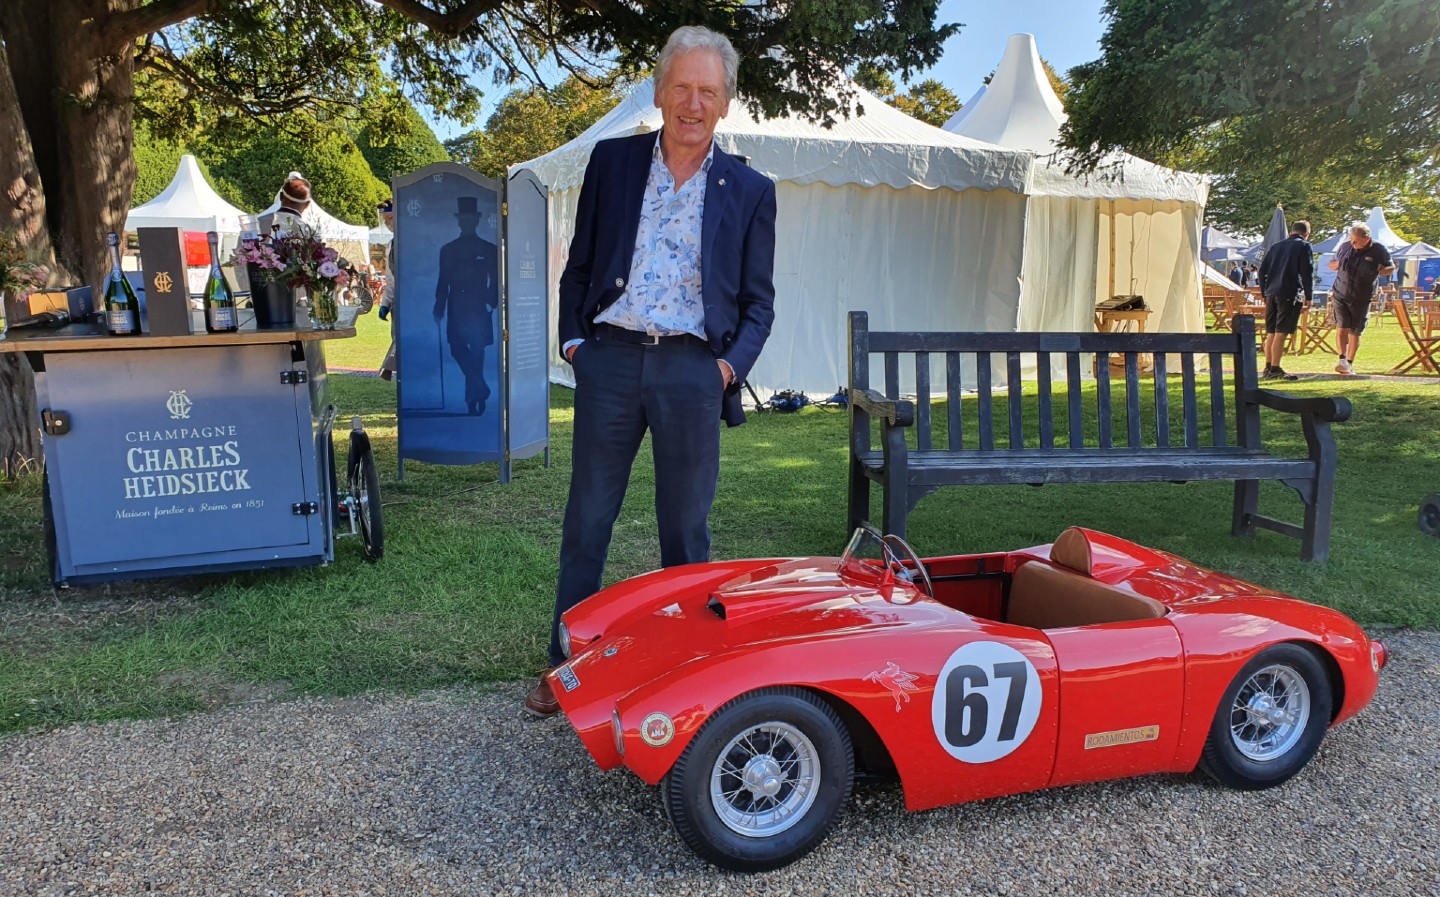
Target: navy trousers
{"x":674,"y":390}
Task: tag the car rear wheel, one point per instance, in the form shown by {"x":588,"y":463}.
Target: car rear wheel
{"x":1430,"y":516}
{"x":1270,"y":720}
{"x":762,"y":781}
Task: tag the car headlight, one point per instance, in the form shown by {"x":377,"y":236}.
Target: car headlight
{"x":565,"y":640}
{"x":617,"y":731}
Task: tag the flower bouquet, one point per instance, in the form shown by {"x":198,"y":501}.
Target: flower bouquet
{"x":299,"y":258}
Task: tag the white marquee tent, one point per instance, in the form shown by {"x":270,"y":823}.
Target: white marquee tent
{"x":882,"y":213}
{"x":189,"y":203}
{"x":1131,"y":227}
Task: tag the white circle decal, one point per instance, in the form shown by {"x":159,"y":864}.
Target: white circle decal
{"x":986,"y":702}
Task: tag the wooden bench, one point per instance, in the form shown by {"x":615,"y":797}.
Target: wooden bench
{"x":911,"y":462}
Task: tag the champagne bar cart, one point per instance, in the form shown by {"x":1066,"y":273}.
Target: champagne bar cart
{"x":201,"y":453}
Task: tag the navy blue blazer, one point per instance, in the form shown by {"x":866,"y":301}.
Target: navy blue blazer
{"x":737,"y":252}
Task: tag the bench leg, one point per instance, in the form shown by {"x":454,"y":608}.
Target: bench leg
{"x":859,"y":494}
{"x":897,"y":506}
{"x":1247,"y":503}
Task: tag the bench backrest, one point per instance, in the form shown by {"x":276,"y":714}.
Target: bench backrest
{"x":972,"y":360}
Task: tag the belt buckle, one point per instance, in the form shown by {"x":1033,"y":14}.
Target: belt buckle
{"x":651,"y":339}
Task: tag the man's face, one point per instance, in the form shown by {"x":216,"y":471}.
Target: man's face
{"x":1359,"y":241}
{"x":692,"y":98}
{"x":389,"y":220}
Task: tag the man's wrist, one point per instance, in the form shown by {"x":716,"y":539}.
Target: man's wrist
{"x":729,"y":371}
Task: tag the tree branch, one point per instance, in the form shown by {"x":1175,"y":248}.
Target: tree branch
{"x":447,"y":23}
{"x":126,"y":26}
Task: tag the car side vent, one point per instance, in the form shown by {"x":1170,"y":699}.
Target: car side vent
{"x":716,"y":607}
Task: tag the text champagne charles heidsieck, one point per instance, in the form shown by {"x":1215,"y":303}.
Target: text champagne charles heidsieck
{"x":220,"y":314}
{"x":122,"y":309}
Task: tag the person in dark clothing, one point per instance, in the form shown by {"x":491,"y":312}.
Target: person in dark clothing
{"x":1237,"y":275}
{"x":1359,"y":262}
{"x":1286,"y":273}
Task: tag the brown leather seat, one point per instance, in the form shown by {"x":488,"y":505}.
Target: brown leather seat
{"x":1043,"y":596}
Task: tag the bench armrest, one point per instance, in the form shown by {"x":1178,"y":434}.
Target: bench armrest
{"x":896,"y":412}
{"x":1331,"y":409}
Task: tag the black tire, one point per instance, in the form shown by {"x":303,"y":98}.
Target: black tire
{"x":364,"y":482}
{"x":1430,"y":515}
{"x":686,"y":788}
{"x":52,"y":544}
{"x":1238,"y":726}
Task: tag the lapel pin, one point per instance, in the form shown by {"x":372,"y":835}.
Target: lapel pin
{"x":722,"y":182}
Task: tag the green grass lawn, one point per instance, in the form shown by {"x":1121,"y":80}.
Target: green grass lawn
{"x":464,"y":591}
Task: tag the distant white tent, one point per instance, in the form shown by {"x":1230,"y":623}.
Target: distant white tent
{"x":189,"y":203}
{"x":964,"y":111}
{"x":1218,"y":246}
{"x":882,"y":213}
{"x":380,"y":235}
{"x":1130,"y":227}
{"x":1381,"y":233}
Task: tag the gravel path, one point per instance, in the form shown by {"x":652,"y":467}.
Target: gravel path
{"x":457,"y":793}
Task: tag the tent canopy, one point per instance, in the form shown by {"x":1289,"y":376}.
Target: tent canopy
{"x":1381,"y":233}
{"x":883,"y":146}
{"x":1416,"y":252}
{"x":1020,"y":109}
{"x":189,"y":203}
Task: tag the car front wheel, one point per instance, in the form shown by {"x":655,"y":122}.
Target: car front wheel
{"x":1270,"y":720}
{"x":762,"y":781}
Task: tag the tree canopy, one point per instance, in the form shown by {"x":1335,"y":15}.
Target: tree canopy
{"x":530,"y":122}
{"x":1353,"y":84}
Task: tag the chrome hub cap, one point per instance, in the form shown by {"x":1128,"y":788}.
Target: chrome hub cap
{"x":1270,"y":713}
{"x":765,"y":780}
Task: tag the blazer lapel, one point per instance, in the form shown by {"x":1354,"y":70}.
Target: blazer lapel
{"x":719,"y":190}
{"x":637,"y":172}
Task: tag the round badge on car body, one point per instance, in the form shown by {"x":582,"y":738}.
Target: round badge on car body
{"x":986,"y":702}
{"x":657,"y":729}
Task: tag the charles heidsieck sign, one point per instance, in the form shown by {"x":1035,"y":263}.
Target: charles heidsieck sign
{"x":471,"y":337}
{"x":189,"y":452}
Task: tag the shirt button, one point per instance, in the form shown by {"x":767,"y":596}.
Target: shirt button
{"x":620,"y":282}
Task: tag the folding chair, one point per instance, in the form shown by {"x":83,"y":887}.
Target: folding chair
{"x":1316,"y":327}
{"x":1424,"y":351}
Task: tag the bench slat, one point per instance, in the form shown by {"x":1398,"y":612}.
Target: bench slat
{"x":1162,"y":403}
{"x":1102,"y":401}
{"x":1015,"y":393}
{"x":1217,"y":400}
{"x":1192,"y":427}
{"x":1047,"y":421}
{"x":1077,"y":411}
{"x":987,"y":423}
{"x":922,"y":401}
{"x":1089,"y":342}
{"x":1004,"y":467}
{"x":1132,"y":400}
{"x":952,"y":405}
{"x":892,"y":375}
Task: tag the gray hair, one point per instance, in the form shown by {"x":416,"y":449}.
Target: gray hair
{"x":695,"y":37}
{"x":1361,"y":230}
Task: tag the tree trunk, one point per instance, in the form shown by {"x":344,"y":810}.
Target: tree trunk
{"x":68,"y":169}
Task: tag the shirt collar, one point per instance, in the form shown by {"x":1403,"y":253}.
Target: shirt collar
{"x":657,"y":156}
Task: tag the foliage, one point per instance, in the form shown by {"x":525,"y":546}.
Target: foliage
{"x":394,"y":147}
{"x":1353,"y":84}
{"x":19,"y":273}
{"x":531,"y":122}
{"x":929,"y":100}
{"x":1418,"y":217}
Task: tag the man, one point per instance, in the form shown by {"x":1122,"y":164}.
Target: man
{"x":665,"y":303}
{"x":1287,"y":270}
{"x":467,"y":292}
{"x":387,"y":291}
{"x":294,"y":198}
{"x":1237,"y":275}
{"x":1359,"y":262}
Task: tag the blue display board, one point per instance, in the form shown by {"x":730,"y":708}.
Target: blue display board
{"x":526,"y":319}
{"x":1429,"y":273}
{"x":465,"y":393}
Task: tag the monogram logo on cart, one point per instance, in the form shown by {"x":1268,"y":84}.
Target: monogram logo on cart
{"x":163,"y":283}
{"x":438,"y":177}
{"x":179,"y":405}
{"x":413,"y":208}
{"x":657,"y":729}
{"x":897,"y":680}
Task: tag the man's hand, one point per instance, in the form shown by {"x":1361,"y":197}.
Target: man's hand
{"x":1334,"y":265}
{"x":726,"y":373}
{"x":1388,"y":269}
{"x":570,"y":353}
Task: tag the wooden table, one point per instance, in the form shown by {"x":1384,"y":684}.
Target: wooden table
{"x":1107,"y":321}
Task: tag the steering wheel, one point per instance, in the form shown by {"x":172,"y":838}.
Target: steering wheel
{"x":896,"y":563}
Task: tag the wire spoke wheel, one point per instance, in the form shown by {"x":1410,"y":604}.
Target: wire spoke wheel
{"x":765,"y":780}
{"x":1269,"y":713}
{"x":365,"y":492}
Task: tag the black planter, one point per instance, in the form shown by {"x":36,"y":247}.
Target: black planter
{"x":274,"y":303}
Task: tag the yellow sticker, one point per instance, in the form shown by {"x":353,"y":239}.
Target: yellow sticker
{"x":1122,"y":736}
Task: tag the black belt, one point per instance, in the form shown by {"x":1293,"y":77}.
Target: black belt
{"x":611,"y":333}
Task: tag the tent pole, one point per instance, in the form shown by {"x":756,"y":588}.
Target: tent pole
{"x":1111,"y":206}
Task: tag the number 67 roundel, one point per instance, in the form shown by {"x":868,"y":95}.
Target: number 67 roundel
{"x":986,"y":702}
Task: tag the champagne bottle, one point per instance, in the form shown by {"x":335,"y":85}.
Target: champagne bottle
{"x":220,"y":314}
{"x":122,"y":309}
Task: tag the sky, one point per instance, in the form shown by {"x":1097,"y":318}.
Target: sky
{"x":1067,"y":33}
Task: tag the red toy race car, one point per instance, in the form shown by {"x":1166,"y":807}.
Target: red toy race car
{"x":751,"y":691}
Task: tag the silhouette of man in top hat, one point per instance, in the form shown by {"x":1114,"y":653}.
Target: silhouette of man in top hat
{"x":468,"y":291}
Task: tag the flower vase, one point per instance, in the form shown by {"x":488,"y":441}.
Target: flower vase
{"x":324,"y":308}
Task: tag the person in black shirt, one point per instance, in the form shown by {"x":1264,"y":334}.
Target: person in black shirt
{"x":1286,"y":271}
{"x":1359,"y":262}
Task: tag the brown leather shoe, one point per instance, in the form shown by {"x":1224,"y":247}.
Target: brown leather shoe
{"x":541,"y":700}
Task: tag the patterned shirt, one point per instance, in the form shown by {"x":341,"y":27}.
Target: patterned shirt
{"x":664,"y":291}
